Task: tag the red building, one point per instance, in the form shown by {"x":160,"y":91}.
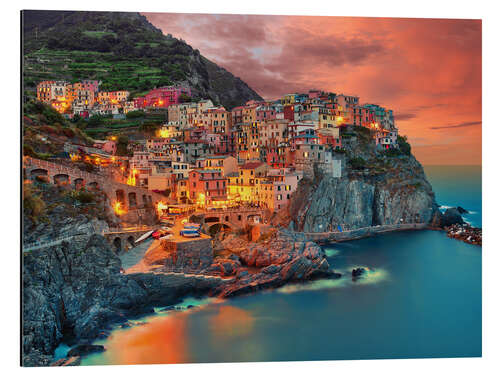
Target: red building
{"x":206,"y":186}
{"x":162,"y":97}
{"x":289,"y":112}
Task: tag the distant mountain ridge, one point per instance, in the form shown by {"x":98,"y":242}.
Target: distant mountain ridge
{"x":123,"y":50}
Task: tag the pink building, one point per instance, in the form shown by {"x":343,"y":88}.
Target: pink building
{"x":106,"y":146}
{"x":90,"y":85}
{"x":162,"y":97}
{"x":206,"y":185}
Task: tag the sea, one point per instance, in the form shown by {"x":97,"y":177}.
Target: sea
{"x":421,"y":298}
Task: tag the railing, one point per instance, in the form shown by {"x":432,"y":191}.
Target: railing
{"x":364,"y":231}
{"x":41,"y":244}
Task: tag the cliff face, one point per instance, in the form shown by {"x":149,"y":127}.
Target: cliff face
{"x":75,"y":291}
{"x":388,"y":190}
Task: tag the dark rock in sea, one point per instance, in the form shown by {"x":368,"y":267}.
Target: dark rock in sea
{"x":86,"y":349}
{"x":189,"y":306}
{"x":462,"y":210}
{"x":450,"y":217}
{"x":357,"y":272}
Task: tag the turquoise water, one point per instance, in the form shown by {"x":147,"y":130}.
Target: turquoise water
{"x":420,"y":298}
{"x":458,"y":186}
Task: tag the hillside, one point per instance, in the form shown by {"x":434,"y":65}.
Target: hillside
{"x":124,"y":51}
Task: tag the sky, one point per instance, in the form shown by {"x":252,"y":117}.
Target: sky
{"x":427,"y":70}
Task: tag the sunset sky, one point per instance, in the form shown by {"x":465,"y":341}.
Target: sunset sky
{"x":427,"y":70}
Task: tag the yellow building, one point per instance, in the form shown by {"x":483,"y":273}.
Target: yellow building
{"x":288,"y":99}
{"x":243,"y":185}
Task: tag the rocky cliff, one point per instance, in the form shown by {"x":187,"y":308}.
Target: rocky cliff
{"x":376,"y":188}
{"x":76,"y":292}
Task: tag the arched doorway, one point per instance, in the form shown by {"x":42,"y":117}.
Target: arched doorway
{"x":218,"y":227}
{"x":79,"y":183}
{"x":130,"y":242}
{"x":93,"y":186}
{"x":120,"y":196}
{"x":117,"y":243}
{"x":61,"y":179}
{"x":132,"y":199}
{"x":39,"y":174}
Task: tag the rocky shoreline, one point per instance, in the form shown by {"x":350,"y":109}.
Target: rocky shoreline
{"x":76,"y":292}
{"x":465,"y":233}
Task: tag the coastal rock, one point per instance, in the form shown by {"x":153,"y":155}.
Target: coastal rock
{"x":75,"y":290}
{"x":357,"y":272}
{"x":451,"y":216}
{"x":285,"y":257}
{"x":466,"y":233}
{"x":462,"y":210}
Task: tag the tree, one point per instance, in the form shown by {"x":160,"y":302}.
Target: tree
{"x":183,"y":98}
{"x":403,"y":144}
{"x":121,"y":145}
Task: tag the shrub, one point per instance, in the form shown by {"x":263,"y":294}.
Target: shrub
{"x":135,"y":114}
{"x":33,"y":205}
{"x":404,"y":146}
{"x":83,"y":196}
{"x":357,"y":162}
{"x":28,"y":151}
{"x":392,"y":152}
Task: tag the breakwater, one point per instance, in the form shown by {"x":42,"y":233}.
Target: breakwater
{"x":354,"y":234}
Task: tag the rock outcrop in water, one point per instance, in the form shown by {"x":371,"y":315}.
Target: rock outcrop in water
{"x":281,"y":258}
{"x":386,"y":189}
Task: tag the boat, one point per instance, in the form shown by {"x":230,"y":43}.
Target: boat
{"x":144,"y":236}
{"x":192,"y":226}
{"x":157,"y":234}
{"x":190,"y":233}
{"x":166,"y":237}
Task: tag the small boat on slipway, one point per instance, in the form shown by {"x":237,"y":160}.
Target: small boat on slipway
{"x":161,"y":233}
{"x":144,"y":236}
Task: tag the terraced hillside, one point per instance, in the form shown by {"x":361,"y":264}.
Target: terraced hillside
{"x":124,"y":51}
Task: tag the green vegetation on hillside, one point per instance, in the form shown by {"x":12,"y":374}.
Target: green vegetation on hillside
{"x":124,"y":51}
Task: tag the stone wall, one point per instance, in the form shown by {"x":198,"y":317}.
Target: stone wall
{"x":187,"y":256}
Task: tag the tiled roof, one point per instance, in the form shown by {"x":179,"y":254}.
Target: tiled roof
{"x":252,"y":165}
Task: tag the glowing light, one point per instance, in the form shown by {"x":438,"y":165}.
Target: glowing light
{"x":160,"y":206}
{"x":201,"y":200}
{"x":118,"y":208}
{"x":74,"y":157}
{"x":131,"y":180}
{"x":164,"y":133}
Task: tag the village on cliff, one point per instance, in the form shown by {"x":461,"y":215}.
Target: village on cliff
{"x":207,"y":157}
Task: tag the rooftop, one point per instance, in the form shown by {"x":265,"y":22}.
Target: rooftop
{"x":252,"y":165}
